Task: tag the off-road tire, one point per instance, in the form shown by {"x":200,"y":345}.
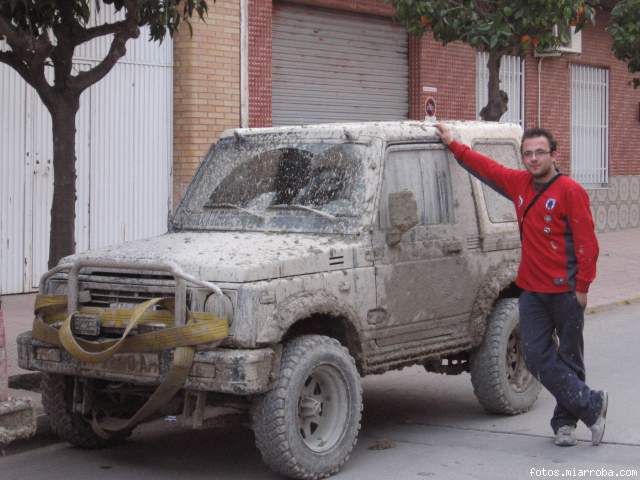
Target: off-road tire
{"x":277,"y":416}
{"x":57,"y":391}
{"x":500,"y":379}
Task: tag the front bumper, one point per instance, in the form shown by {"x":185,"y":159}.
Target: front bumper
{"x":224,"y":370}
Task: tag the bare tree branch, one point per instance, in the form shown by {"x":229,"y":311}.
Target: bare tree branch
{"x":88,"y":34}
{"x":33,"y":76}
{"x":117,"y":50}
{"x":14,"y":62}
{"x":15,"y":38}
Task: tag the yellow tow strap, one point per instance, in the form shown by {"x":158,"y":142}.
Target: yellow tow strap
{"x":200,"y":328}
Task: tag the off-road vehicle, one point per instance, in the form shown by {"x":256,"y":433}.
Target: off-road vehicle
{"x":299,"y":260}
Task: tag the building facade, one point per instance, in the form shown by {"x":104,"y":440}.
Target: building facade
{"x":144,"y":129}
{"x":307,"y":61}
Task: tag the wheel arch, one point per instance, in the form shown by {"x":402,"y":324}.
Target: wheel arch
{"x":321,"y":313}
{"x":498,"y":283}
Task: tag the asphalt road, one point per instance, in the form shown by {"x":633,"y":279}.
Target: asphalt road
{"x":416,"y":425}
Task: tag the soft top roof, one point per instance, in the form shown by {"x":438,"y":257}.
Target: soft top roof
{"x":466,"y":131}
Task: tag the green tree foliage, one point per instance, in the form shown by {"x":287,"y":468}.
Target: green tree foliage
{"x":624,"y":27}
{"x":41,"y":35}
{"x":500,"y":27}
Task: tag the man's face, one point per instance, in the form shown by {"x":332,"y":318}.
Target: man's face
{"x":538,"y":159}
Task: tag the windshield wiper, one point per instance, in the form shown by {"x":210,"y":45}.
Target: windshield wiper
{"x":216,"y":206}
{"x":298,"y":206}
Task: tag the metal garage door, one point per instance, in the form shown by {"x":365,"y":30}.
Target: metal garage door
{"x":331,"y":66}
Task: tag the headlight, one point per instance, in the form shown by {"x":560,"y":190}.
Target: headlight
{"x":56,"y":287}
{"x":221,"y":306}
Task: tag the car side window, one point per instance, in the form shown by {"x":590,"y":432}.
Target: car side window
{"x":499,"y":208}
{"x":425,"y":172}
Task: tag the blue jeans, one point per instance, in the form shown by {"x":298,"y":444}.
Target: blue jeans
{"x":559,"y":367}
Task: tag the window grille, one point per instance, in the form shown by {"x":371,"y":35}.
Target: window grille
{"x":590,"y":125}
{"x":511,"y":81}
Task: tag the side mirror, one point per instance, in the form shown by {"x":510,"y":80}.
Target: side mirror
{"x":403,"y":215}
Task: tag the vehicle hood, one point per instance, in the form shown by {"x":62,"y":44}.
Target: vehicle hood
{"x":238,"y":256}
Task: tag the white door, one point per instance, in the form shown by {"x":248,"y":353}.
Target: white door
{"x":13,"y":175}
{"x":124,"y":158}
{"x":39,"y":154}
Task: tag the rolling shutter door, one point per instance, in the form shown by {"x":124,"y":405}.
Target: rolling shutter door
{"x":335,"y":67}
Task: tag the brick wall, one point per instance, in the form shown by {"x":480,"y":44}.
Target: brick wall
{"x":450,"y":69}
{"x":624,"y":101}
{"x":207,"y":83}
{"x":206,"y":88}
{"x":371,"y":7}
{"x":260,"y":15}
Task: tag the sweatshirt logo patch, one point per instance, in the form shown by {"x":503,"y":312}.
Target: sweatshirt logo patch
{"x":520,"y":200}
{"x":558,"y":281}
{"x":551,"y":204}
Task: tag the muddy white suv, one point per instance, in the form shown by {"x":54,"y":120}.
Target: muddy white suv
{"x":330,"y":252}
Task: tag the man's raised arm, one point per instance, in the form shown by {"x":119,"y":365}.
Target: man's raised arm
{"x":487,"y":170}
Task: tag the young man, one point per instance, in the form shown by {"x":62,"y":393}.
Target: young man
{"x":559,"y":253}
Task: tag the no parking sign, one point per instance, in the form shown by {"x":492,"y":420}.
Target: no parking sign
{"x":430,"y":103}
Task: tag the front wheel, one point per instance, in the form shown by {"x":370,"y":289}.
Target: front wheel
{"x":57,"y":400}
{"x":307,"y":425}
{"x":500,"y":378}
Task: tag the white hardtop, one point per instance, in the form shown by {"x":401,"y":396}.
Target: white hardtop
{"x":465,"y":131}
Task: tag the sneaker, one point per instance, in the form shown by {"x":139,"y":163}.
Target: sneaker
{"x":597,"y":429}
{"x":566,"y":436}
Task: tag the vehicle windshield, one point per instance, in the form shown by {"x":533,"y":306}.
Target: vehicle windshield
{"x":271,"y":184}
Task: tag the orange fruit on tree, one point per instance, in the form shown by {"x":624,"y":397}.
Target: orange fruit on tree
{"x":425,"y":22}
{"x":579,"y":14}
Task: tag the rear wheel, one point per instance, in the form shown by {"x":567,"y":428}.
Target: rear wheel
{"x":307,"y":425}
{"x":500,"y":378}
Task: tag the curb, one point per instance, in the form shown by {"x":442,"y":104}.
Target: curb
{"x":608,"y":306}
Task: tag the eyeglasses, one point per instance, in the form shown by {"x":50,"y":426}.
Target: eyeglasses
{"x":537,"y":153}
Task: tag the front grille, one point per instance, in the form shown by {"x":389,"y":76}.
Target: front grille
{"x":117,"y":289}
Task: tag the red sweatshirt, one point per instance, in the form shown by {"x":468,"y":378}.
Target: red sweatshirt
{"x":559,"y":245}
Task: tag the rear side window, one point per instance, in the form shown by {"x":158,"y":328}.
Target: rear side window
{"x":499,"y":208}
{"x":425,"y":172}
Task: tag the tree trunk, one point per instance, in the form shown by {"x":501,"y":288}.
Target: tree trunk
{"x":63,"y":209}
{"x":498,"y":99}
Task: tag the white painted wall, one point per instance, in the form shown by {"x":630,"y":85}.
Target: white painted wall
{"x":124,"y":158}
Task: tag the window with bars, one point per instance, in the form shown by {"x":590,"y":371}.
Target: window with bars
{"x":590,"y":125}
{"x":511,"y":81}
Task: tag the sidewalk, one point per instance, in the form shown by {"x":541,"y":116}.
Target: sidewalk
{"x":617,"y":282}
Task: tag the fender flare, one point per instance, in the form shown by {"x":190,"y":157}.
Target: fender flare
{"x":495,"y":281}
{"x":305,"y":304}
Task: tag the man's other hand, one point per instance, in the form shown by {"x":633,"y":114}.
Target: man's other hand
{"x":444,"y":133}
{"x":582,"y":299}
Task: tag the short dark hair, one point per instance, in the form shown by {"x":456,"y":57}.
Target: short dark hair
{"x":540,"y":132}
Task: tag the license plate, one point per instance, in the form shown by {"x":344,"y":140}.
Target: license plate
{"x":139,"y":364}
{"x":85,"y":325}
